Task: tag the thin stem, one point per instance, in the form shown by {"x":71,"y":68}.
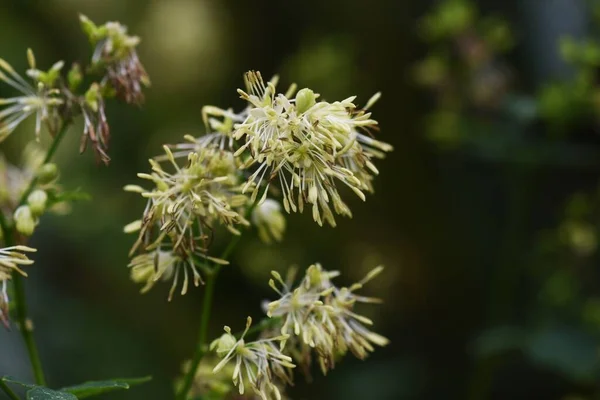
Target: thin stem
{"x":20,"y":298}
{"x":265,"y":323}
{"x":53,"y":147}
{"x":8,"y":390}
{"x":205,"y":316}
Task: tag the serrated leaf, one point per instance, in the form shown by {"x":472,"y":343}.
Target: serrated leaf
{"x":43,"y":393}
{"x":10,"y":379}
{"x":94,"y":388}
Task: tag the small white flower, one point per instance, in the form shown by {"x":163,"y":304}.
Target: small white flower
{"x":269,"y":221}
{"x":40,"y":100}
{"x":160,"y":265}
{"x":257,"y":362}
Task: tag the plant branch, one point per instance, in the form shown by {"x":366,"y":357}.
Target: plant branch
{"x":20,"y":298}
{"x":8,"y":390}
{"x":206,"y":311}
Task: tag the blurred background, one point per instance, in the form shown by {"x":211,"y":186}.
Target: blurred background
{"x":485,"y":215}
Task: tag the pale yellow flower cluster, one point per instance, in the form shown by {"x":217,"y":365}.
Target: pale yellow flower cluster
{"x":258,"y":364}
{"x":319,"y":317}
{"x":184,"y":205}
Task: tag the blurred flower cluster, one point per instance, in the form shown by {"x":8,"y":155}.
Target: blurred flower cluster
{"x":464,"y":68}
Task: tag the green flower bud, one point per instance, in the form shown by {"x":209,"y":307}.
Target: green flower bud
{"x":24,"y":221}
{"x":47,"y":173}
{"x":305,"y":99}
{"x":92,"y":96}
{"x":37,"y":202}
{"x":224,"y":344}
{"x":74,"y":77}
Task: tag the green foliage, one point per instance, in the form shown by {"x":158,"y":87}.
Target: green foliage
{"x":81,"y":391}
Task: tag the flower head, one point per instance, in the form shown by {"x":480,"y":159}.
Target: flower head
{"x":309,"y":146}
{"x":11,"y":260}
{"x":41,"y":99}
{"x":321,"y":317}
{"x":186,"y":203}
{"x":259,"y":362}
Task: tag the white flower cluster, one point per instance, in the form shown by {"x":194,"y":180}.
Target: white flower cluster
{"x":309,"y":147}
{"x":313,"y":318}
{"x":182,"y":210}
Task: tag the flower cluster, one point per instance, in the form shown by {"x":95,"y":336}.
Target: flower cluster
{"x":42,"y":98}
{"x":55,"y":98}
{"x":313,"y":317}
{"x":182,"y":209}
{"x":320,"y":316}
{"x":259,"y":364}
{"x":308,"y":146}
{"x":11,"y":260}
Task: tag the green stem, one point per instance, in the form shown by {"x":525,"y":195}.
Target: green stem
{"x":8,"y":390}
{"x":20,"y":298}
{"x":53,"y":147}
{"x":209,"y":289}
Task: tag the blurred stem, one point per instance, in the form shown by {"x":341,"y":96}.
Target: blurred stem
{"x":20,"y":298}
{"x":505,"y":280}
{"x":53,"y":147}
{"x":8,"y":391}
{"x":209,"y":289}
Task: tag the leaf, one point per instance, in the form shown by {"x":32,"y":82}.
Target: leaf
{"x":68,"y":196}
{"x":10,"y":379}
{"x":567,"y":351}
{"x":43,"y":393}
{"x":94,"y":388}
{"x":499,"y":340}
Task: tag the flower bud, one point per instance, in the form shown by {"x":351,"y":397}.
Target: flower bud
{"x":269,"y":221}
{"x":305,"y":99}
{"x":47,"y":173}
{"x":37,"y":202}
{"x":74,"y":77}
{"x":24,"y":221}
{"x":92,"y":96}
{"x":224,"y":344}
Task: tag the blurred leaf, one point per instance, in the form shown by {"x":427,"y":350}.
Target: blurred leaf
{"x":94,"y":388}
{"x":499,"y":340}
{"x":43,"y":393}
{"x":565,"y":350}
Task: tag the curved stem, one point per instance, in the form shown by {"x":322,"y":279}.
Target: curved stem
{"x":20,"y":298}
{"x":209,"y":289}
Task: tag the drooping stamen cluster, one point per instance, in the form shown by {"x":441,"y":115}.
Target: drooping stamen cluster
{"x":41,"y":99}
{"x":11,"y":260}
{"x":259,"y":364}
{"x":183,"y":208}
{"x":115,"y":51}
{"x":308,"y":146}
{"x":320,"y":316}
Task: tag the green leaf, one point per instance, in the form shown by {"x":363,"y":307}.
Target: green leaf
{"x":43,"y":393}
{"x":94,"y":388}
{"x":10,"y":379}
